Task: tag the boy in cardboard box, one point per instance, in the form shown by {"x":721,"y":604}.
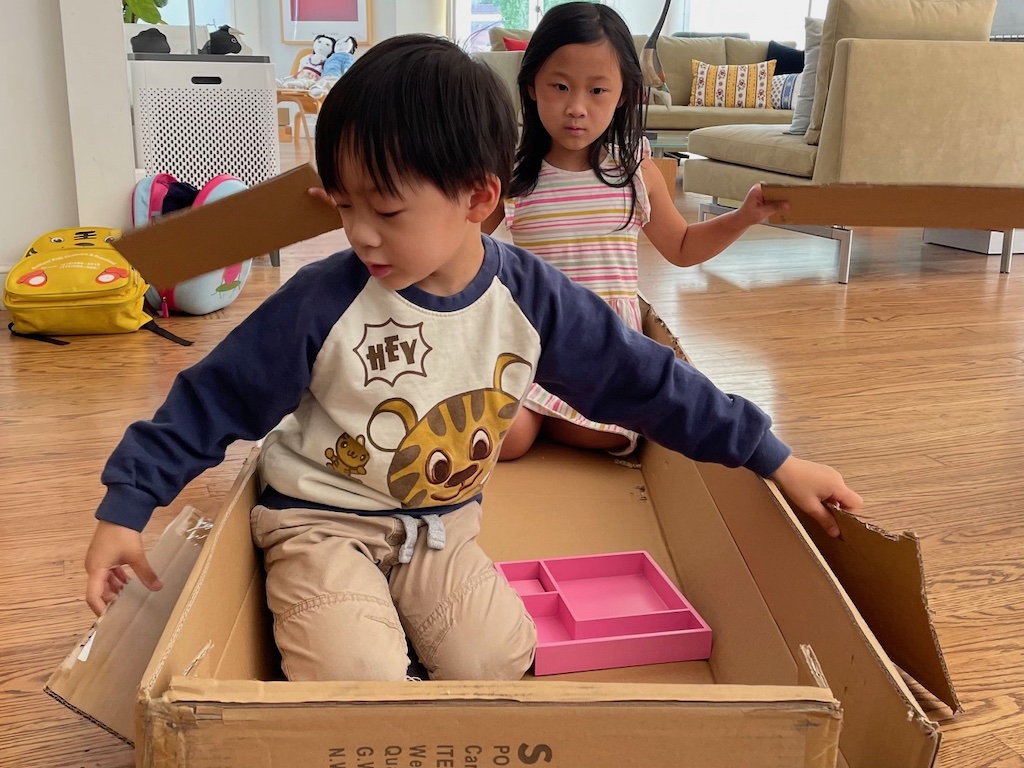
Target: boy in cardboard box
{"x":384,"y":379}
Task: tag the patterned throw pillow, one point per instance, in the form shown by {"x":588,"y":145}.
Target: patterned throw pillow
{"x":733,"y":85}
{"x":784,"y":90}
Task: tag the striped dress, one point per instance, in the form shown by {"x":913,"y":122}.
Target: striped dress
{"x":572,"y":220}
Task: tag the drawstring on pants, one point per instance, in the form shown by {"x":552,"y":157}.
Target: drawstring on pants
{"x":435,"y":534}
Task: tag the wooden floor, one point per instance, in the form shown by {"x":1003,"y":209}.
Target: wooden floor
{"x":910,"y":380}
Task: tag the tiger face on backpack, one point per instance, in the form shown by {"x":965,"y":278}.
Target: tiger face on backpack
{"x":72,"y":282}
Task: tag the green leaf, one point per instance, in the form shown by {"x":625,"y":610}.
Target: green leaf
{"x":146,"y":10}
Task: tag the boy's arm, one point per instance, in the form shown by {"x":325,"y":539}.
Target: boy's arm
{"x":685,"y":244}
{"x":240,"y":390}
{"x":614,"y":375}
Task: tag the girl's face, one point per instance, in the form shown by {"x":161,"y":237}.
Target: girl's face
{"x":577,"y":91}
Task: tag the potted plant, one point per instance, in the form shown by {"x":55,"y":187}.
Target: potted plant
{"x":143,"y":10}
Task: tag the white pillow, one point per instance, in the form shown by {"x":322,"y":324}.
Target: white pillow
{"x":805,"y":96}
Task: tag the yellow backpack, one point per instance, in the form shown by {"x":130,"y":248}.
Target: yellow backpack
{"x":72,"y":282}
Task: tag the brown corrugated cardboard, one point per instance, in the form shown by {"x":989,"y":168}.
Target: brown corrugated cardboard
{"x":885,"y":581}
{"x":880,"y":205}
{"x":251,"y":223}
{"x":795,"y":676}
{"x":117,"y":648}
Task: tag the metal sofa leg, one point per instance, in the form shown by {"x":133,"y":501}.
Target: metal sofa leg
{"x":842,"y":235}
{"x":844,"y":239}
{"x":275,"y":258}
{"x":1004,"y":264}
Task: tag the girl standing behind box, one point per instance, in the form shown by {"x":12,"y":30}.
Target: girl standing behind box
{"x":584,"y":186}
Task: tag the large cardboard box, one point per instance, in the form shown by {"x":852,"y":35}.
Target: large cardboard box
{"x":808,"y":633}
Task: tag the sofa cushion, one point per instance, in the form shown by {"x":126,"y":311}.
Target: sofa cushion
{"x":805,"y":96}
{"x":506,"y":64}
{"x":690,"y":118}
{"x":893,"y":20}
{"x":790,"y":60}
{"x":756,"y":146}
{"x":725,"y":180}
{"x":512,"y":44}
{"x":497,"y":36}
{"x":784,"y":90}
{"x":676,"y":53}
{"x":732,"y":85}
{"x":740,"y":51}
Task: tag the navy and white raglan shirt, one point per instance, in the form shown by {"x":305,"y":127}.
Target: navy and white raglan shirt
{"x":381,"y":402}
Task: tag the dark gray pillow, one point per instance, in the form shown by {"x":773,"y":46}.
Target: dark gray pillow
{"x":789,"y":61}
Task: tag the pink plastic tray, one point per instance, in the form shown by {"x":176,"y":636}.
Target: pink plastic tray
{"x":604,"y":611}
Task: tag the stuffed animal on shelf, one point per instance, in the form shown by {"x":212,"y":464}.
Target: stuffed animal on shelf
{"x":150,"y":40}
{"x":337,"y":64}
{"x":223,"y":40}
{"x":311,"y":65}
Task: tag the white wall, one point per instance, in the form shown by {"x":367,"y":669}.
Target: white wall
{"x":36,"y":165}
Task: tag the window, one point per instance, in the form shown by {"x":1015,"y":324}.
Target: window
{"x":778,"y":20}
{"x":208,"y":12}
{"x":469,"y":20}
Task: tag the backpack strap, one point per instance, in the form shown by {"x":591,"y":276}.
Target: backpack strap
{"x":39,"y":337}
{"x":152,"y":327}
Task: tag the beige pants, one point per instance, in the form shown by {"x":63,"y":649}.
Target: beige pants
{"x":343,"y":605}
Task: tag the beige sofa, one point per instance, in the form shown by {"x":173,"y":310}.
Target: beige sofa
{"x":675,"y":54}
{"x":893,"y":112}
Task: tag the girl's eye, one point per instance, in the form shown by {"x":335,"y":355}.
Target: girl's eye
{"x":388,"y":214}
{"x":561,"y":86}
{"x":597,"y":91}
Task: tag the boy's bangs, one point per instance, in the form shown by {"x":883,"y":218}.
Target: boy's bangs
{"x":417,"y":108}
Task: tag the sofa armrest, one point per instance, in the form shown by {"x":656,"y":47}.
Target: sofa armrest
{"x":506,"y":64}
{"x":924,"y":111}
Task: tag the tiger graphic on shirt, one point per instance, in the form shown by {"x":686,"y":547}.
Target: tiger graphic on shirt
{"x":448,"y":454}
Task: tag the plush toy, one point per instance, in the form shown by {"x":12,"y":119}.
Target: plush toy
{"x":222,"y":40}
{"x":150,"y":40}
{"x":311,"y":65}
{"x":337,"y":64}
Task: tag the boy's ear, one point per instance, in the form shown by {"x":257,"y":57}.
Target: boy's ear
{"x":483,"y":199}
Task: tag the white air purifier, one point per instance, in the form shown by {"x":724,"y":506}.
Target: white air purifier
{"x":198,"y":116}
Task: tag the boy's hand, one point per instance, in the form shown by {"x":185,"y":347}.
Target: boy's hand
{"x":808,"y":485}
{"x":756,"y":209}
{"x":112,"y":547}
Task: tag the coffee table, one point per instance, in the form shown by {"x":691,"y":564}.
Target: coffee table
{"x":669,"y":143}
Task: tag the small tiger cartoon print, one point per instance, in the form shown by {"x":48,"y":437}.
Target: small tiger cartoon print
{"x":349,"y":456}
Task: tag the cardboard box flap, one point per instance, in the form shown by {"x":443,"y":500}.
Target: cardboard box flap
{"x":900,"y":205}
{"x":100,"y":678}
{"x":883,"y":575}
{"x":277,"y":213}
{"x":199,"y":690}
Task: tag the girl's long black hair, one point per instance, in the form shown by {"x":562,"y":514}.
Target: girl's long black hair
{"x":567,"y":24}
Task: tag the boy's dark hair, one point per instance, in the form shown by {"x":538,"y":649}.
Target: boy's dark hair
{"x":568,"y":24}
{"x":418,"y":105}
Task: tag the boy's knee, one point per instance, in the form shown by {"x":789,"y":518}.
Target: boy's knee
{"x":488,"y":655}
{"x":326,"y":640}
